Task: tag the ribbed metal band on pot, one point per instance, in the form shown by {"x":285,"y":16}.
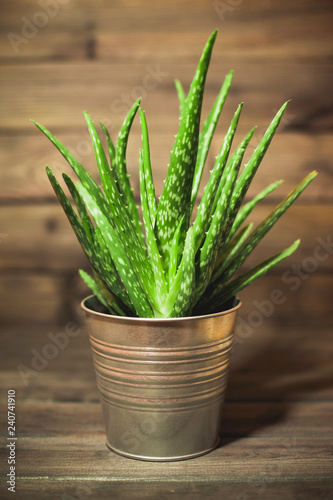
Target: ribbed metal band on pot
{"x":161,"y":382}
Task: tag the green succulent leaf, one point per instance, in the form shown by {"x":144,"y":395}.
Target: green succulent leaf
{"x":120,"y":162}
{"x":94,"y":287}
{"x":149,"y":183}
{"x":91,"y":249}
{"x":213,"y":304}
{"x":70,"y":213}
{"x":202,"y":220}
{"x":122,"y":221}
{"x":80,"y":171}
{"x":184,"y":301}
{"x":107,"y":274}
{"x":207,"y":133}
{"x":153,"y":252}
{"x":175,"y":253}
{"x":245,"y":211}
{"x":113,"y":301}
{"x":231,"y":251}
{"x":181,"y":97}
{"x":250,"y":169}
{"x":111,"y":148}
{"x":242,"y":147}
{"x":257,"y":235}
{"x":169,"y":266}
{"x":216,"y":234}
{"x":122,"y":261}
{"x":83,"y":213}
{"x":176,"y":195}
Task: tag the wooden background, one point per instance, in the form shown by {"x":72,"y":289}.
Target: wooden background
{"x":59,"y":57}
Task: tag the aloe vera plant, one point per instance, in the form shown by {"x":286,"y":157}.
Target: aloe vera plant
{"x":171,"y":264}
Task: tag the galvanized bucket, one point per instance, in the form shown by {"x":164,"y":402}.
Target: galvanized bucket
{"x":161,"y":381}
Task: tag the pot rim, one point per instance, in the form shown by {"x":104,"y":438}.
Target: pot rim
{"x":158,"y":320}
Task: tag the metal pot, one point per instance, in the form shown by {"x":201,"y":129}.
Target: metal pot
{"x":161,"y":381}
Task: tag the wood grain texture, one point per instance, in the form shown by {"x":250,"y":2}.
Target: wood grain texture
{"x":272,"y":364}
{"x":100,"y":56}
{"x":57,"y":94}
{"x":242,"y":460}
{"x":150,"y":490}
{"x":58,"y":58}
{"x":240,"y":419}
{"x":116,"y":27}
{"x":53,"y":246}
{"x":27,"y":298}
{"x":32,"y":296}
{"x":291,"y":157}
{"x":276,"y":428}
{"x":77,"y":61}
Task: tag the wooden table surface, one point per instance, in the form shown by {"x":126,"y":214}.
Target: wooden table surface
{"x":277,"y":426}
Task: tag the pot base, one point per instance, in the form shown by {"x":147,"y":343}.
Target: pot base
{"x":162,"y":382}
{"x":163,"y":459}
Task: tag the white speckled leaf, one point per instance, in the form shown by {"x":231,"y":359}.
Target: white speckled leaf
{"x":210,"y":249}
{"x":80,"y":171}
{"x":159,"y":282}
{"x":123,"y":224}
{"x":245,"y":211}
{"x":250,"y":169}
{"x":203,"y":219}
{"x":184,"y":301}
{"x":213,"y":302}
{"x":261,"y":230}
{"x":122,"y":262}
{"x":207,"y":133}
{"x":149,"y":184}
{"x":120,"y":165}
{"x":176,"y":195}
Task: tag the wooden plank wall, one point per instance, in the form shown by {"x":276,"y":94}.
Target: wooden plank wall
{"x":59,"y":57}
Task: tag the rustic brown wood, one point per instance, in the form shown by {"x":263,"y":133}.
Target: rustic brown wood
{"x":233,"y":460}
{"x":271,"y":364}
{"x":29,"y":297}
{"x":52,"y":245}
{"x":240,"y":419}
{"x":116,"y":28}
{"x":282,"y":303}
{"x":277,"y":421}
{"x":150,"y":490}
{"x":32,"y":297}
{"x":291,"y":157}
{"x":108,"y":90}
{"x":276,"y":426}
